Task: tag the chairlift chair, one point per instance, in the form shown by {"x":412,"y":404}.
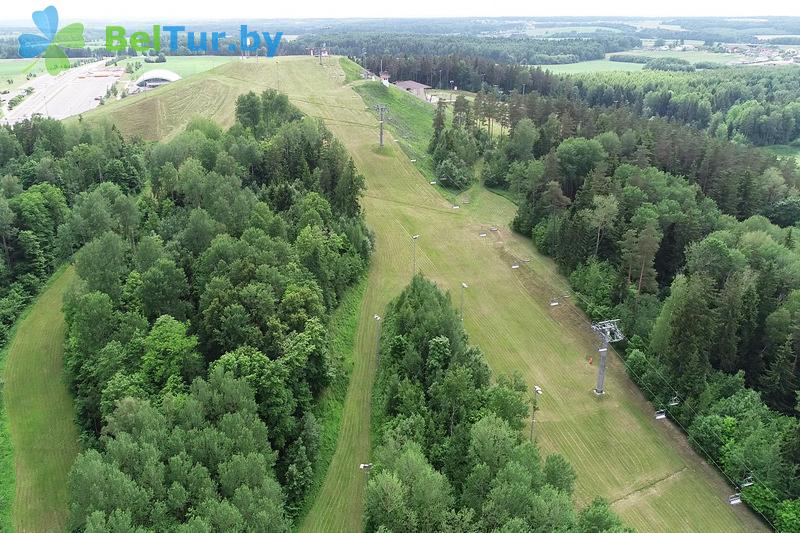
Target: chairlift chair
{"x":365,"y":466}
{"x":735,"y":499}
{"x":748,"y":481}
{"x":554,"y":302}
{"x":661,"y":413}
{"x":537,"y":389}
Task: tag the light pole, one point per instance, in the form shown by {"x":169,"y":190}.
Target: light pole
{"x":415,"y":238}
{"x":463,"y":286}
{"x":378,"y":340}
{"x":534,"y":408}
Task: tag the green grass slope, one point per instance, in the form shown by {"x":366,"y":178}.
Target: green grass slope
{"x":40,"y":414}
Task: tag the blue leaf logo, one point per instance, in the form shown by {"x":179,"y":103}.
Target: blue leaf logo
{"x":52,"y":41}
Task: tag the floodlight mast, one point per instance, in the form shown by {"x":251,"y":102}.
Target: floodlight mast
{"x":609,"y":332}
{"x":414,"y":239}
{"x":381,"y":109}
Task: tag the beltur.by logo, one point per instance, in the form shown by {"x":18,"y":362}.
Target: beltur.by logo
{"x":51,"y":44}
{"x":196,"y":41}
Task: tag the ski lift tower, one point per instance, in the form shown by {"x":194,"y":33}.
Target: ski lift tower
{"x":609,"y":332}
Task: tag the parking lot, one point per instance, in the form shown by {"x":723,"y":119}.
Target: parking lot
{"x":74,"y":91}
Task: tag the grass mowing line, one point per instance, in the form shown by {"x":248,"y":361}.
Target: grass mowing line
{"x":343,"y":327}
{"x":40,"y":412}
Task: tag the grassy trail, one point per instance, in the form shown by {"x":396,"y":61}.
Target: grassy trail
{"x":40,"y":413}
{"x":644,"y":466}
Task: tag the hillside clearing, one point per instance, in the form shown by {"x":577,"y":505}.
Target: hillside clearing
{"x":40,"y":414}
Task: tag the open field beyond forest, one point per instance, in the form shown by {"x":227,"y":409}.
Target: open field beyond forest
{"x":655,"y":481}
{"x":183,"y":66}
{"x":598,"y":65}
{"x":16,"y":70}
{"x":693,"y":56}
{"x":785,"y":150}
{"x":40,"y":414}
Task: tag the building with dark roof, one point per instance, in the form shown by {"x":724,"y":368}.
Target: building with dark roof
{"x":415,"y":88}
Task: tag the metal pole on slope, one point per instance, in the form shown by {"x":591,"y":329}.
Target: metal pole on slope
{"x":609,"y":332}
{"x":601,"y":370}
{"x":378,"y":340}
{"x":463,"y":286}
{"x":381,"y":109}
{"x":414,"y":238}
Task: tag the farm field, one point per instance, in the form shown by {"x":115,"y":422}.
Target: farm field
{"x":690,"y":55}
{"x":547,"y":31}
{"x":598,"y":65}
{"x":16,"y":70}
{"x":40,"y":414}
{"x":644,"y":466}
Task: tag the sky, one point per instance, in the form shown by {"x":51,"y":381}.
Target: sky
{"x":242,"y":10}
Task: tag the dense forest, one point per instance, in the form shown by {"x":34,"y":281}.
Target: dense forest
{"x":197,"y":344}
{"x":44,"y":167}
{"x":451,"y":455}
{"x":688,"y":239}
{"x":749,"y":105}
{"x":757,"y":106}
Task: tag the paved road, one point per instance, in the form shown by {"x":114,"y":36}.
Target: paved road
{"x":70,"y":93}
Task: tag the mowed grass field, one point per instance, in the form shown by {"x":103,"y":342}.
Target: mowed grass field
{"x":619,"y":451}
{"x":598,"y":65}
{"x":16,"y":71}
{"x":692,"y":56}
{"x":785,"y":151}
{"x":40,"y":414}
{"x":183,"y":66}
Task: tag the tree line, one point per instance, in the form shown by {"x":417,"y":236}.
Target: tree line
{"x":666,"y":229}
{"x":451,"y":455}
